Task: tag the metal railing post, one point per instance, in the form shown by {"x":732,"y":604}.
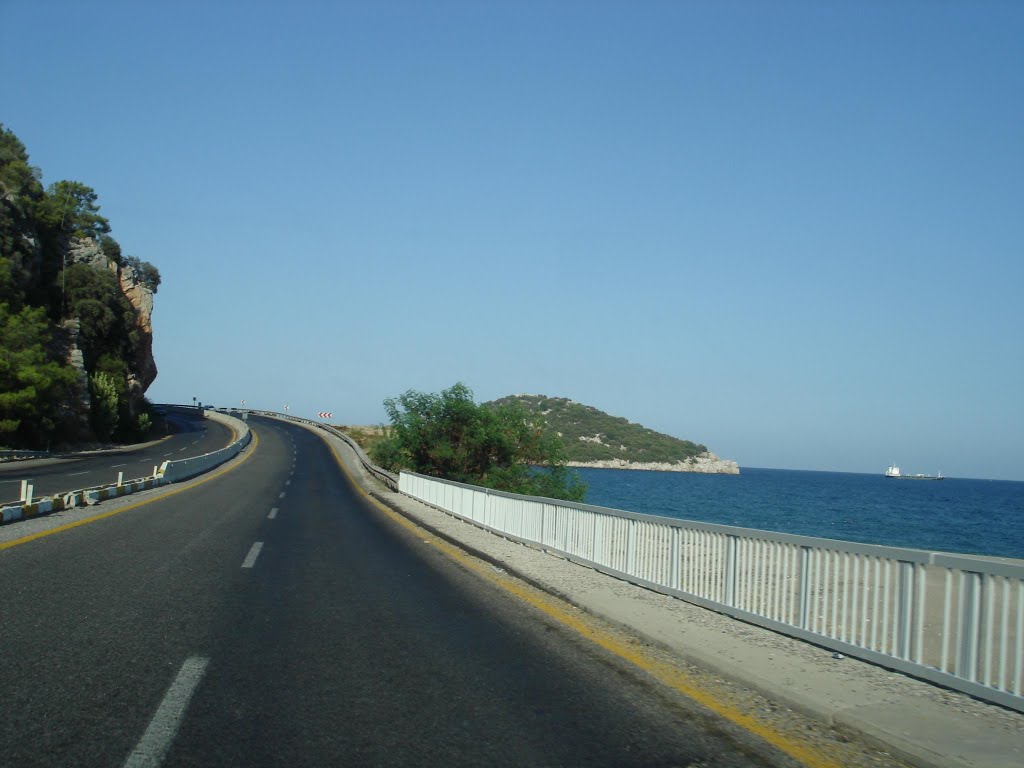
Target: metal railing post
{"x":970,"y":625}
{"x":805,"y":587}
{"x":730,"y":571}
{"x":543,"y":523}
{"x":631,"y":548}
{"x":906,"y":610}
{"x":676,"y":555}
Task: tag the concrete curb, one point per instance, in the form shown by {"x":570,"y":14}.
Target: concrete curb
{"x":171,"y":471}
{"x":71,"y":499}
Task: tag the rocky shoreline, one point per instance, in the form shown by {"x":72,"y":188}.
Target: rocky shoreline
{"x":706,"y":463}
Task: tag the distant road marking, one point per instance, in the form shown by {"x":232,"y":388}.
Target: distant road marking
{"x":273,"y":514}
{"x":281,"y":496}
{"x":287,"y":482}
{"x":167,"y":454}
{"x":75,"y":474}
{"x":115,"y":466}
{"x":153,"y":746}
{"x":250,"y":559}
{"x":183,"y":449}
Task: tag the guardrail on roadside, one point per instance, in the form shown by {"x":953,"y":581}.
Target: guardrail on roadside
{"x":168,"y":472}
{"x":955,"y":620}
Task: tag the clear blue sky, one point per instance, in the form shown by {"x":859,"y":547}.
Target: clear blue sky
{"x":791,"y":231}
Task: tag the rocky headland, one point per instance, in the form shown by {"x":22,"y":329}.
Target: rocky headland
{"x":706,"y":463}
{"x":593,"y":438}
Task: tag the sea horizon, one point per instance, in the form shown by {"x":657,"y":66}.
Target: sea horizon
{"x":976,"y":516}
{"x":881,"y":473}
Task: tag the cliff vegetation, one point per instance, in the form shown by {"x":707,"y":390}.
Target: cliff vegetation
{"x":75,"y":329}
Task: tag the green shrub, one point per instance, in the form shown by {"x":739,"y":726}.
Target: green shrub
{"x":449,"y":436}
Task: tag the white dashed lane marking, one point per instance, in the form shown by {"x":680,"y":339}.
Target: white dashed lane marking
{"x":250,"y":559}
{"x":155,"y":742}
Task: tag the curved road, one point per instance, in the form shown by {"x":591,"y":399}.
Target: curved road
{"x":270,"y":615}
{"x":193,"y":436}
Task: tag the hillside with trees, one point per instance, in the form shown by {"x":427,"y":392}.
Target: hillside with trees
{"x":75,"y":332}
{"x":593,"y":437}
{"x":448,"y":435}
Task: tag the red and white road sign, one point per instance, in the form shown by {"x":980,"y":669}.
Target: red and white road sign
{"x":325,"y":414}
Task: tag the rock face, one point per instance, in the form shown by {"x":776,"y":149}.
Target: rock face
{"x":142,"y":367}
{"x":87,"y":251}
{"x":706,"y":463}
{"x":76,"y":412}
{"x":140,"y":297}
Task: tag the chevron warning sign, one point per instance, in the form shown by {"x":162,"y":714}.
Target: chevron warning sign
{"x":325,"y":414}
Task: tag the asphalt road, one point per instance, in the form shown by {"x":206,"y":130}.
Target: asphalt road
{"x":272,"y":616}
{"x":193,"y":436}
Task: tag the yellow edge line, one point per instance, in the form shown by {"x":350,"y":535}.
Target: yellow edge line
{"x":111,"y":513}
{"x":552,"y":607}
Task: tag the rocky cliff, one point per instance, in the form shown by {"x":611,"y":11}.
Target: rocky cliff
{"x":706,"y":463}
{"x":75,"y":314}
{"x":141,"y":368}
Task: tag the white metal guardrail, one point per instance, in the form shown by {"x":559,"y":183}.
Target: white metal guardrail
{"x":951,"y":619}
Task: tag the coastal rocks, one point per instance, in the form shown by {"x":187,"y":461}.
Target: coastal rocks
{"x":705,"y":463}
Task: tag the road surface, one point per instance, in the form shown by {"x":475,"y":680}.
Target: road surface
{"x":272,"y":616}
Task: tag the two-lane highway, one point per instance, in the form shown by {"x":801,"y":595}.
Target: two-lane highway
{"x":193,"y":436}
{"x":272,"y":616}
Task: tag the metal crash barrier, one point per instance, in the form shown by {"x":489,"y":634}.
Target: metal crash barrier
{"x":956,"y":620}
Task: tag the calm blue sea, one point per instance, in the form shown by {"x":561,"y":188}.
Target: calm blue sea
{"x":983,"y":517}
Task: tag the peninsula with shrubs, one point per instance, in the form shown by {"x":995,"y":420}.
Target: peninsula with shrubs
{"x":593,"y":438}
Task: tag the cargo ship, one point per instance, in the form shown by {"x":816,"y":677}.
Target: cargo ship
{"x":894,"y":471}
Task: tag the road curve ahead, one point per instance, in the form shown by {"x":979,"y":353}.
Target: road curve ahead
{"x":271,"y":616}
{"x":194,"y":435}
